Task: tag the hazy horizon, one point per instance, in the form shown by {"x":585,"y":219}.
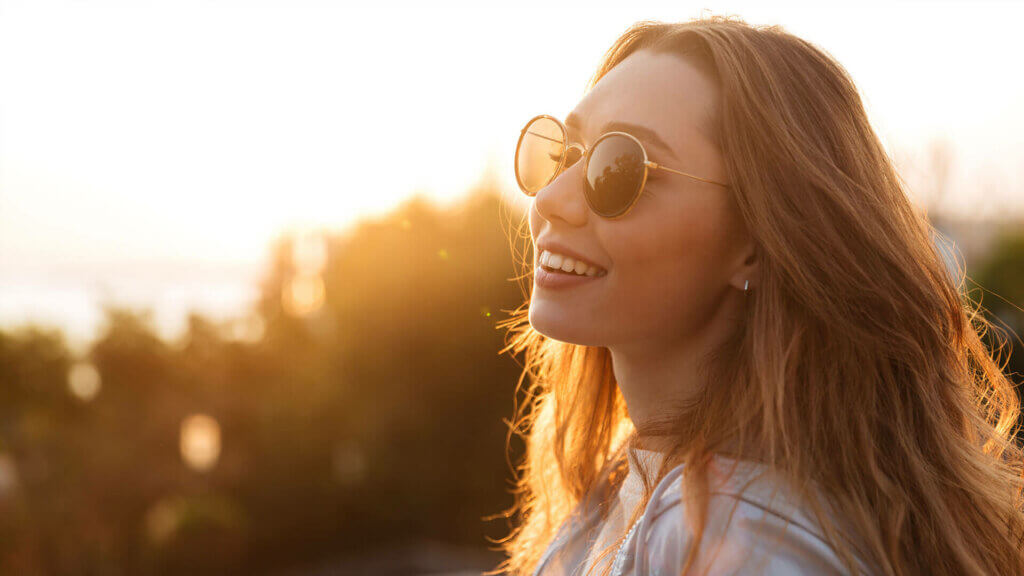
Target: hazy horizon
{"x":151,"y":153}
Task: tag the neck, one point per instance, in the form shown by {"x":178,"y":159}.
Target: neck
{"x":656,"y":376}
{"x":656,"y":443}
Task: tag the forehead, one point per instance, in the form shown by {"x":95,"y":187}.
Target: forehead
{"x":661,"y":91}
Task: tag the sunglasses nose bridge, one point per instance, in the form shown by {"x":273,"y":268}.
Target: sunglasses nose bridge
{"x":562,"y":197}
{"x":573,"y":153}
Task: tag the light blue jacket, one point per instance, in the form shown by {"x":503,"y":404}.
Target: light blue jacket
{"x":754,"y":526}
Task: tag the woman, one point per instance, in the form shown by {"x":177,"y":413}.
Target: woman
{"x":746,"y":354}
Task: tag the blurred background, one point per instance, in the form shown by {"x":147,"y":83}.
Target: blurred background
{"x":253,"y":254}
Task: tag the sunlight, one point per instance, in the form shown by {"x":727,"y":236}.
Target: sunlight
{"x":210,"y":147}
{"x":303,"y":295}
{"x":249,"y":328}
{"x":200,"y":442}
{"x":84,"y":381}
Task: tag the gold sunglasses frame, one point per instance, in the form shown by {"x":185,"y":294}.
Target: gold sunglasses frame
{"x":585,"y":156}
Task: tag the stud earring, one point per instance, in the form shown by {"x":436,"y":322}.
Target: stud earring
{"x":745,"y":283}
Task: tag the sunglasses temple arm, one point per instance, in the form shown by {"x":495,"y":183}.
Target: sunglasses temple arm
{"x":545,"y":137}
{"x":656,"y":166}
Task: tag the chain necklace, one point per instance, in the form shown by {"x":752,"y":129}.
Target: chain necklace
{"x":620,"y":555}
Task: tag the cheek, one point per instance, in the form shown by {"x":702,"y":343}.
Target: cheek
{"x":670,"y":263}
{"x":681,"y":240}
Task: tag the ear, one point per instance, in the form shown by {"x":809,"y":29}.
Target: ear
{"x":747,"y":267}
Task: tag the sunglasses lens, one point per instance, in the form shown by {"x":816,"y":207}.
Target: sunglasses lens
{"x":614,"y":175}
{"x":538,"y":154}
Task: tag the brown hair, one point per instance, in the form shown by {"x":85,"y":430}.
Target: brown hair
{"x":859,"y":367}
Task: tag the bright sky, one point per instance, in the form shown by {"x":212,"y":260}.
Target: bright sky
{"x":153,"y":149}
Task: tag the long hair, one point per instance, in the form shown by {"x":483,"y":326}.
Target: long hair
{"x":858,"y":369}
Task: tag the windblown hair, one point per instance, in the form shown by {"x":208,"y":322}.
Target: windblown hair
{"x":859,"y":367}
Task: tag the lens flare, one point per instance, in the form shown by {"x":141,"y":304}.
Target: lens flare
{"x":200,"y":442}
{"x":303,"y":295}
{"x":84,"y":381}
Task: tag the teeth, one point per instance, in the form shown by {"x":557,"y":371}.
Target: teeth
{"x":567,"y":264}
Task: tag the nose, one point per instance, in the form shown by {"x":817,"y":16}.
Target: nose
{"x":562,"y":198}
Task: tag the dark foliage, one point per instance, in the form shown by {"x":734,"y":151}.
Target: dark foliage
{"x":376,"y":418}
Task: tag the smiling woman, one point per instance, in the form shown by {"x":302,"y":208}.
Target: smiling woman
{"x":744,"y":352}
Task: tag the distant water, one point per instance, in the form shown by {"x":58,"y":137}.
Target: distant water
{"x":71,"y":297}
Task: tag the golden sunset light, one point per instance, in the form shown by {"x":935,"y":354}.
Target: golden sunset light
{"x":185,"y":135}
{"x":322,"y":287}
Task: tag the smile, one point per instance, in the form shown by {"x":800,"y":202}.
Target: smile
{"x":560,"y":263}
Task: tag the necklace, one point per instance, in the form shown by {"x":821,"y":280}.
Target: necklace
{"x":620,"y":556}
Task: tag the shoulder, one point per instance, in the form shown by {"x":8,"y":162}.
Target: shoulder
{"x":755,"y":525}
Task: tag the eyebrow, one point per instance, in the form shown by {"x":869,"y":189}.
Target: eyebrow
{"x":646,"y":135}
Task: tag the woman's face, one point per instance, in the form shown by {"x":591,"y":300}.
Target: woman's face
{"x":673,"y":259}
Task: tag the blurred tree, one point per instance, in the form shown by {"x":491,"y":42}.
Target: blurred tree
{"x":368,"y":410}
{"x":1000,"y":277}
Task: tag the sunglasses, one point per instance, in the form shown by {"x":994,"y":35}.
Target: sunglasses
{"x":614,"y":168}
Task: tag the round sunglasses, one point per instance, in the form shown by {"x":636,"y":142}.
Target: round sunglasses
{"x":614,"y":168}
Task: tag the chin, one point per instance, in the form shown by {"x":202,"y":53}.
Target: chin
{"x":554,"y":321}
